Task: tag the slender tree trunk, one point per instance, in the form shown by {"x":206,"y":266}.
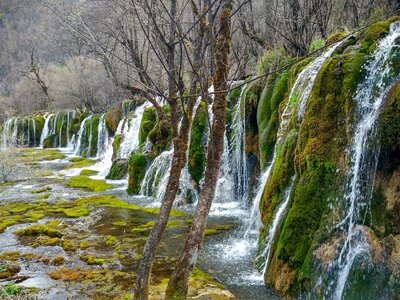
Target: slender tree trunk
{"x":178,"y":162}
{"x":178,"y":284}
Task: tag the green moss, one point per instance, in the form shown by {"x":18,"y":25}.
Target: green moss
{"x":44,"y":196}
{"x":320,"y":164}
{"x":268,"y":115}
{"x":374,"y":33}
{"x":136,"y":171}
{"x":88,"y":173}
{"x":389,"y":131}
{"x":34,"y":155}
{"x":122,"y":224}
{"x":46,"y":241}
{"x":110,"y":201}
{"x":88,"y":183}
{"x":157,"y":131}
{"x":116,"y":145}
{"x":160,"y":136}
{"x":118,"y":170}
{"x":76,"y":212}
{"x":149,"y":120}
{"x":41,"y":229}
{"x":50,"y":141}
{"x":197,"y":148}
{"x":39,"y":124}
{"x":94,"y":123}
{"x":67,"y":245}
{"x":111,"y":240}
{"x":335,"y":37}
{"x":42,"y":190}
{"x":80,"y":162}
{"x":91,"y":260}
{"x":144,"y":227}
{"x":282,"y":172}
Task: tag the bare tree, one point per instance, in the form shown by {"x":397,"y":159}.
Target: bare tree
{"x":178,"y":284}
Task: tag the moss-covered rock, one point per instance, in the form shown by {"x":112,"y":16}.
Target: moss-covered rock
{"x":39,"y":124}
{"x":88,"y":183}
{"x":118,"y":170}
{"x":320,"y":162}
{"x":197,"y":148}
{"x":50,"y":141}
{"x":116,"y":145}
{"x":385,"y":205}
{"x":157,"y":131}
{"x":374,"y":33}
{"x":136,"y":171}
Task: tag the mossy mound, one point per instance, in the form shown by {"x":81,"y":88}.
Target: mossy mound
{"x":88,"y":173}
{"x":157,"y":131}
{"x":80,"y":162}
{"x":31,"y":156}
{"x":88,"y":183}
{"x":118,"y":170}
{"x":50,"y":141}
{"x":136,"y":170}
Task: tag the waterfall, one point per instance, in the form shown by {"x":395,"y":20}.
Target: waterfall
{"x":369,"y":96}
{"x":15,"y":132}
{"x":70,"y":136}
{"x":60,"y":135}
{"x":276,"y":223}
{"x":102,"y":137}
{"x":53,"y":128}
{"x":156,"y":178}
{"x":34,"y":132}
{"x":301,"y":88}
{"x":6,"y":132}
{"x":240,"y":159}
{"x":46,"y":129}
{"x":29,"y":132}
{"x":81,"y":133}
{"x":130,"y":141}
{"x":89,"y":148}
{"x":244,"y":244}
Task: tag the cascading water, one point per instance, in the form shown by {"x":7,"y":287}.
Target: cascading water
{"x":242,"y":247}
{"x":369,"y":97}
{"x":15,"y":132}
{"x":46,"y":129}
{"x":130,"y":141}
{"x":156,"y":178}
{"x":34,"y":132}
{"x":70,"y":136}
{"x":7,"y":132}
{"x":81,"y":133}
{"x":240,"y":158}
{"x":233,"y":179}
{"x":301,"y":89}
{"x":277,"y":221}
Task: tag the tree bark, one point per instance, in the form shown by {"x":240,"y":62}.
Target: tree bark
{"x":178,"y":284}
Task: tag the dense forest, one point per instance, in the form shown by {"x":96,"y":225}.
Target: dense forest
{"x":199,"y":149}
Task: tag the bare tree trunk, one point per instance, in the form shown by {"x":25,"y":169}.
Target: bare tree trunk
{"x":178,"y":284}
